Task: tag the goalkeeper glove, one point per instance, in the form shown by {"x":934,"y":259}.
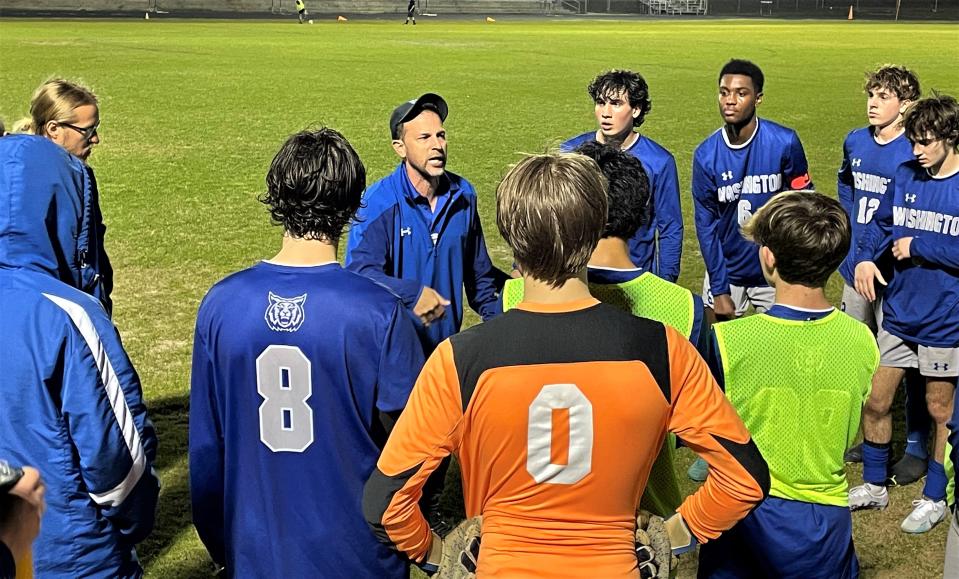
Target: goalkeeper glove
{"x":652,"y":547}
{"x":462,"y":549}
{"x":680,"y":538}
{"x":434,"y":558}
{"x":455,"y":556}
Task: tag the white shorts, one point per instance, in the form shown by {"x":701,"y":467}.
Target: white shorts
{"x":894,"y":352}
{"x":761,"y":298}
{"x":859,"y":308}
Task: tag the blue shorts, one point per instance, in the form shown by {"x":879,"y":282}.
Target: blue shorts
{"x":784,"y":539}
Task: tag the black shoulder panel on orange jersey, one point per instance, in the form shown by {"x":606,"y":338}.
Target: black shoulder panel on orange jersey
{"x":599,"y":333}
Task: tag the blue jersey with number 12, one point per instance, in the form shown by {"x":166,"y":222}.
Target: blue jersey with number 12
{"x":731,"y":182}
{"x":292,"y":367}
{"x":865,"y":178}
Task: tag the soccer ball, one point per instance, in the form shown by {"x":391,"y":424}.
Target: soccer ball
{"x":310,"y":21}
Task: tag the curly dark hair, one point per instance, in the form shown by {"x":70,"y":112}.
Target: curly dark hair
{"x":611,"y":83}
{"x":938,"y":116}
{"x":745,"y":68}
{"x":899,"y":79}
{"x":315,"y":185}
{"x":628,"y":191}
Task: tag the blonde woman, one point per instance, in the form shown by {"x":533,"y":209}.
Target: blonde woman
{"x":68,"y":113}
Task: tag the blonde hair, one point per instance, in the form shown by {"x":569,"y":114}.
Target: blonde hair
{"x":54,"y":100}
{"x":551,"y":210}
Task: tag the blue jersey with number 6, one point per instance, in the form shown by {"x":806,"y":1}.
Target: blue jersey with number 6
{"x":730,"y":183}
{"x":294,"y":369}
{"x":865,"y":178}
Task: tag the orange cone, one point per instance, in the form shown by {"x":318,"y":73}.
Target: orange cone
{"x":850,"y":13}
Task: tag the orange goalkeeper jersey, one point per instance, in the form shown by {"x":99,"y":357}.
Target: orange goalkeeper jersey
{"x":557,"y":414}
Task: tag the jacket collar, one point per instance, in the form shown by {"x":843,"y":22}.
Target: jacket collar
{"x":410,"y":193}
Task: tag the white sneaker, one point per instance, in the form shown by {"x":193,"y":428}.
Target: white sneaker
{"x":868,"y":496}
{"x":926,"y":515}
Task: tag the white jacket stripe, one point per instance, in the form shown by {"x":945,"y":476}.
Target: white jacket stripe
{"x":118,"y":403}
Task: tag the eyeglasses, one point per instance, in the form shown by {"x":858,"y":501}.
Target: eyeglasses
{"x":86,"y":132}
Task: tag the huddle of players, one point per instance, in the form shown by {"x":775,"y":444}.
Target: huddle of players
{"x":558,"y":408}
{"x":556,"y":454}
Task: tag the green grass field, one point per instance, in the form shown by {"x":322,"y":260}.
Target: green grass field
{"x":193,"y":112}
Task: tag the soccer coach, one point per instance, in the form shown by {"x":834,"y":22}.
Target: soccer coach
{"x":419,"y":232}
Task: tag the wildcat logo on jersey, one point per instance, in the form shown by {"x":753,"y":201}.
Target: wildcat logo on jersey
{"x":285,"y":314}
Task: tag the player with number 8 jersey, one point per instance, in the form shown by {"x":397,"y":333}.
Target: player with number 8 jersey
{"x":299,"y":369}
{"x":558,"y":408}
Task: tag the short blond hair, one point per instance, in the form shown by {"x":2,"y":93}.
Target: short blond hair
{"x":54,"y":100}
{"x":551,"y":210}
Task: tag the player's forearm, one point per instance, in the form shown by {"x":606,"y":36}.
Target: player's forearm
{"x":940,"y":251}
{"x":705,"y":420}
{"x":716,"y":269}
{"x":710,"y":245}
{"x":391,"y":508}
{"x":670,"y":249}
{"x":738,"y":482}
{"x":669,"y":223}
{"x":870,"y":243}
{"x":408,"y":290}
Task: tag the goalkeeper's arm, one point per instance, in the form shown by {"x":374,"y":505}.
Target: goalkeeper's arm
{"x":426,"y":433}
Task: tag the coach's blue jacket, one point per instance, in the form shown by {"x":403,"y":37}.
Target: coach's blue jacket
{"x":392,"y":242}
{"x":70,"y":400}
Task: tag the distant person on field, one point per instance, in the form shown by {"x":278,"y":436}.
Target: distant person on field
{"x":411,"y":12}
{"x":919,"y":219}
{"x":300,"y":10}
{"x":870,"y":158}
{"x":798,"y":375}
{"x":300,"y":369}
{"x":621,"y":103}
{"x":419,"y":231}
{"x":70,"y":398}
{"x":68,"y":114}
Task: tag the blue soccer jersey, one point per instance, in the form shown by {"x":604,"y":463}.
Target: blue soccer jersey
{"x":921,"y":304}
{"x":730,"y":182}
{"x":292,"y":368}
{"x":866,"y":175}
{"x":666,"y":214}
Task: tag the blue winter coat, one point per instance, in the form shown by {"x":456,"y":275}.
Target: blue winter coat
{"x":70,"y":400}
